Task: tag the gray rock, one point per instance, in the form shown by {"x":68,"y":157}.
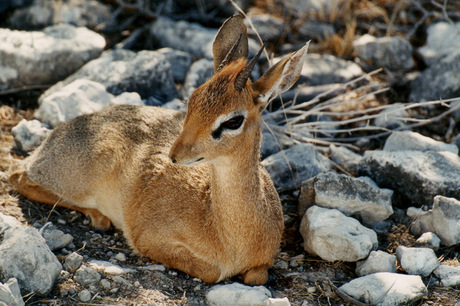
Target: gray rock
{"x":29,"y":134}
{"x":443,"y":220}
{"x":110,"y":268}
{"x":84,"y":295}
{"x":344,"y":157}
{"x":414,"y":212}
{"x":199,"y":72}
{"x":333,"y":236}
{"x":45,"y":57}
{"x":315,"y":30}
{"x":378,"y":261}
{"x":176,"y":104}
{"x":10,"y":294}
{"x":324,"y":7}
{"x":328,"y":69}
{"x":352,"y":196}
{"x":43,"y":13}
{"x":304,"y":162}
{"x":180,"y":63}
{"x":386,"y":289}
{"x":428,"y":240}
{"x":443,"y":38}
{"x":55,"y":238}
{"x":105,"y":284}
{"x":273,"y":142}
{"x":73,"y":262}
{"x":87,"y":276}
{"x":457,"y":141}
{"x":7,"y":4}
{"x":268,"y":26}
{"x":407,"y":140}
{"x":182,"y":35}
{"x":415,"y":176}
{"x":417,"y":261}
{"x":449,"y":275}
{"x":393,"y":53}
{"x":237,"y":294}
{"x":146,"y":72}
{"x":438,"y":81}
{"x":393,"y":117}
{"x":25,"y":256}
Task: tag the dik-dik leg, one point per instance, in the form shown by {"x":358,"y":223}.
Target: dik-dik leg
{"x":20,"y":180}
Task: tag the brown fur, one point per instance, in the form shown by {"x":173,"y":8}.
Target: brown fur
{"x":219,"y":218}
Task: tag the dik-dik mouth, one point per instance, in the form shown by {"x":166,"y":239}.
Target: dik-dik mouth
{"x":188,"y":163}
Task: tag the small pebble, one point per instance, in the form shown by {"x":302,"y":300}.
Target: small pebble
{"x":105,"y":284}
{"x":197,"y":288}
{"x":173,"y":273}
{"x":110,"y":253}
{"x":86,"y":222}
{"x":72,"y":291}
{"x":137,"y":284}
{"x":196,"y":279}
{"x":311,"y":289}
{"x":64,"y":293}
{"x":114,"y":290}
{"x":62,"y":221}
{"x":84,"y":295}
{"x":293,"y":263}
{"x":120,"y":257}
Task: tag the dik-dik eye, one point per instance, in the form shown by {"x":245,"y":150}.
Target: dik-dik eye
{"x":233,"y":123}
{"x":229,"y":123}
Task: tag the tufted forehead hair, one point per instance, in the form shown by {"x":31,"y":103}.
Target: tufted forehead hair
{"x":218,"y":94}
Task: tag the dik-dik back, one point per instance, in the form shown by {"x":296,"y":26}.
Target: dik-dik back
{"x":187,"y":190}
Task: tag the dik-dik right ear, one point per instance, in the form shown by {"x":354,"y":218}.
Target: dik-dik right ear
{"x":281,"y":76}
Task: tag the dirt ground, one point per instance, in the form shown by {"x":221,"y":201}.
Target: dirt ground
{"x":305,"y":280}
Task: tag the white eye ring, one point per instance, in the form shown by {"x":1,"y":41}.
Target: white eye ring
{"x":223,"y":118}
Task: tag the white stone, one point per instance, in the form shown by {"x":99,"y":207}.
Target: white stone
{"x":417,"y":261}
{"x":443,"y":220}
{"x":84,"y":295}
{"x":345,"y":157}
{"x":105,"y":284}
{"x":277,"y":302}
{"x":386,"y":288}
{"x":156,"y":267}
{"x":331,"y":235}
{"x":120,"y":257}
{"x":414,"y":212}
{"x":29,"y":134}
{"x":443,"y":38}
{"x":378,"y":261}
{"x":408,"y":140}
{"x":109,"y":268}
{"x":127,"y":98}
{"x":55,"y":238}
{"x":237,"y":294}
{"x":10,"y":294}
{"x":73,"y":262}
{"x":449,"y":275}
{"x":87,"y":276}
{"x":429,"y":240}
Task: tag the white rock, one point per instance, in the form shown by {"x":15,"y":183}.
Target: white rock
{"x":200,"y":71}
{"x":378,"y":261}
{"x":449,"y":275}
{"x":105,"y":284}
{"x":84,"y":295}
{"x":87,"y":276}
{"x":277,"y":302}
{"x":109,"y":268}
{"x":417,"y":261}
{"x":127,"y":98}
{"x":55,"y":238}
{"x":386,"y":288}
{"x":428,"y":240}
{"x":414,"y":212}
{"x":443,"y":38}
{"x":156,"y":267}
{"x":345,"y":157}
{"x":443,"y":220}
{"x":120,"y":257}
{"x":237,"y":294}
{"x":333,"y":236}
{"x":408,"y":140}
{"x":45,"y":57}
{"x":24,"y":255}
{"x":10,"y":294}
{"x":29,"y":134}
{"x":352,"y":196}
{"x":73,"y":262}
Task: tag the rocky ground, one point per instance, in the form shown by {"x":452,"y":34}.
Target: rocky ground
{"x":370,"y":192}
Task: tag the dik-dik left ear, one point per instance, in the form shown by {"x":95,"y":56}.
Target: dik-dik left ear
{"x":281,"y":76}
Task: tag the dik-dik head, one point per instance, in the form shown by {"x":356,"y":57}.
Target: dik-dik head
{"x":223,"y":114}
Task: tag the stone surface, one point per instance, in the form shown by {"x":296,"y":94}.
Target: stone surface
{"x":182,"y":35}
{"x":110,"y":268}
{"x":333,"y":236}
{"x":415,"y":176}
{"x":73,"y":262}
{"x":323,"y":7}
{"x":328,"y":69}
{"x":438,"y":81}
{"x":449,"y":275}
{"x":378,"y":261}
{"x":268,"y":26}
{"x":43,"y":13}
{"x":344,"y":157}
{"x":55,"y":238}
{"x":315,"y":30}
{"x":237,"y":294}
{"x":443,"y":220}
{"x":417,"y":261}
{"x":10,"y":294}
{"x":407,"y":140}
{"x":443,"y":38}
{"x":273,"y":142}
{"x":352,"y":196}
{"x":24,"y":255}
{"x":304,"y":162}
{"x":199,"y":72}
{"x":180,"y":62}
{"x":146,"y":72}
{"x":386,"y":289}
{"x":87,"y":276}
{"x":428,"y":240}
{"x":277,"y":302}
{"x":62,"y":49}
{"x":393,"y":53}
{"x":393,"y":117}
{"x":29,"y":134}
{"x":84,"y":295}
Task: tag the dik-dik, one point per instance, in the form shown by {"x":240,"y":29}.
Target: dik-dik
{"x":187,"y":190}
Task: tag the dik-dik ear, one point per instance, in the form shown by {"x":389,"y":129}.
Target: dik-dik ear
{"x":232,"y":33}
{"x":281,"y":76}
